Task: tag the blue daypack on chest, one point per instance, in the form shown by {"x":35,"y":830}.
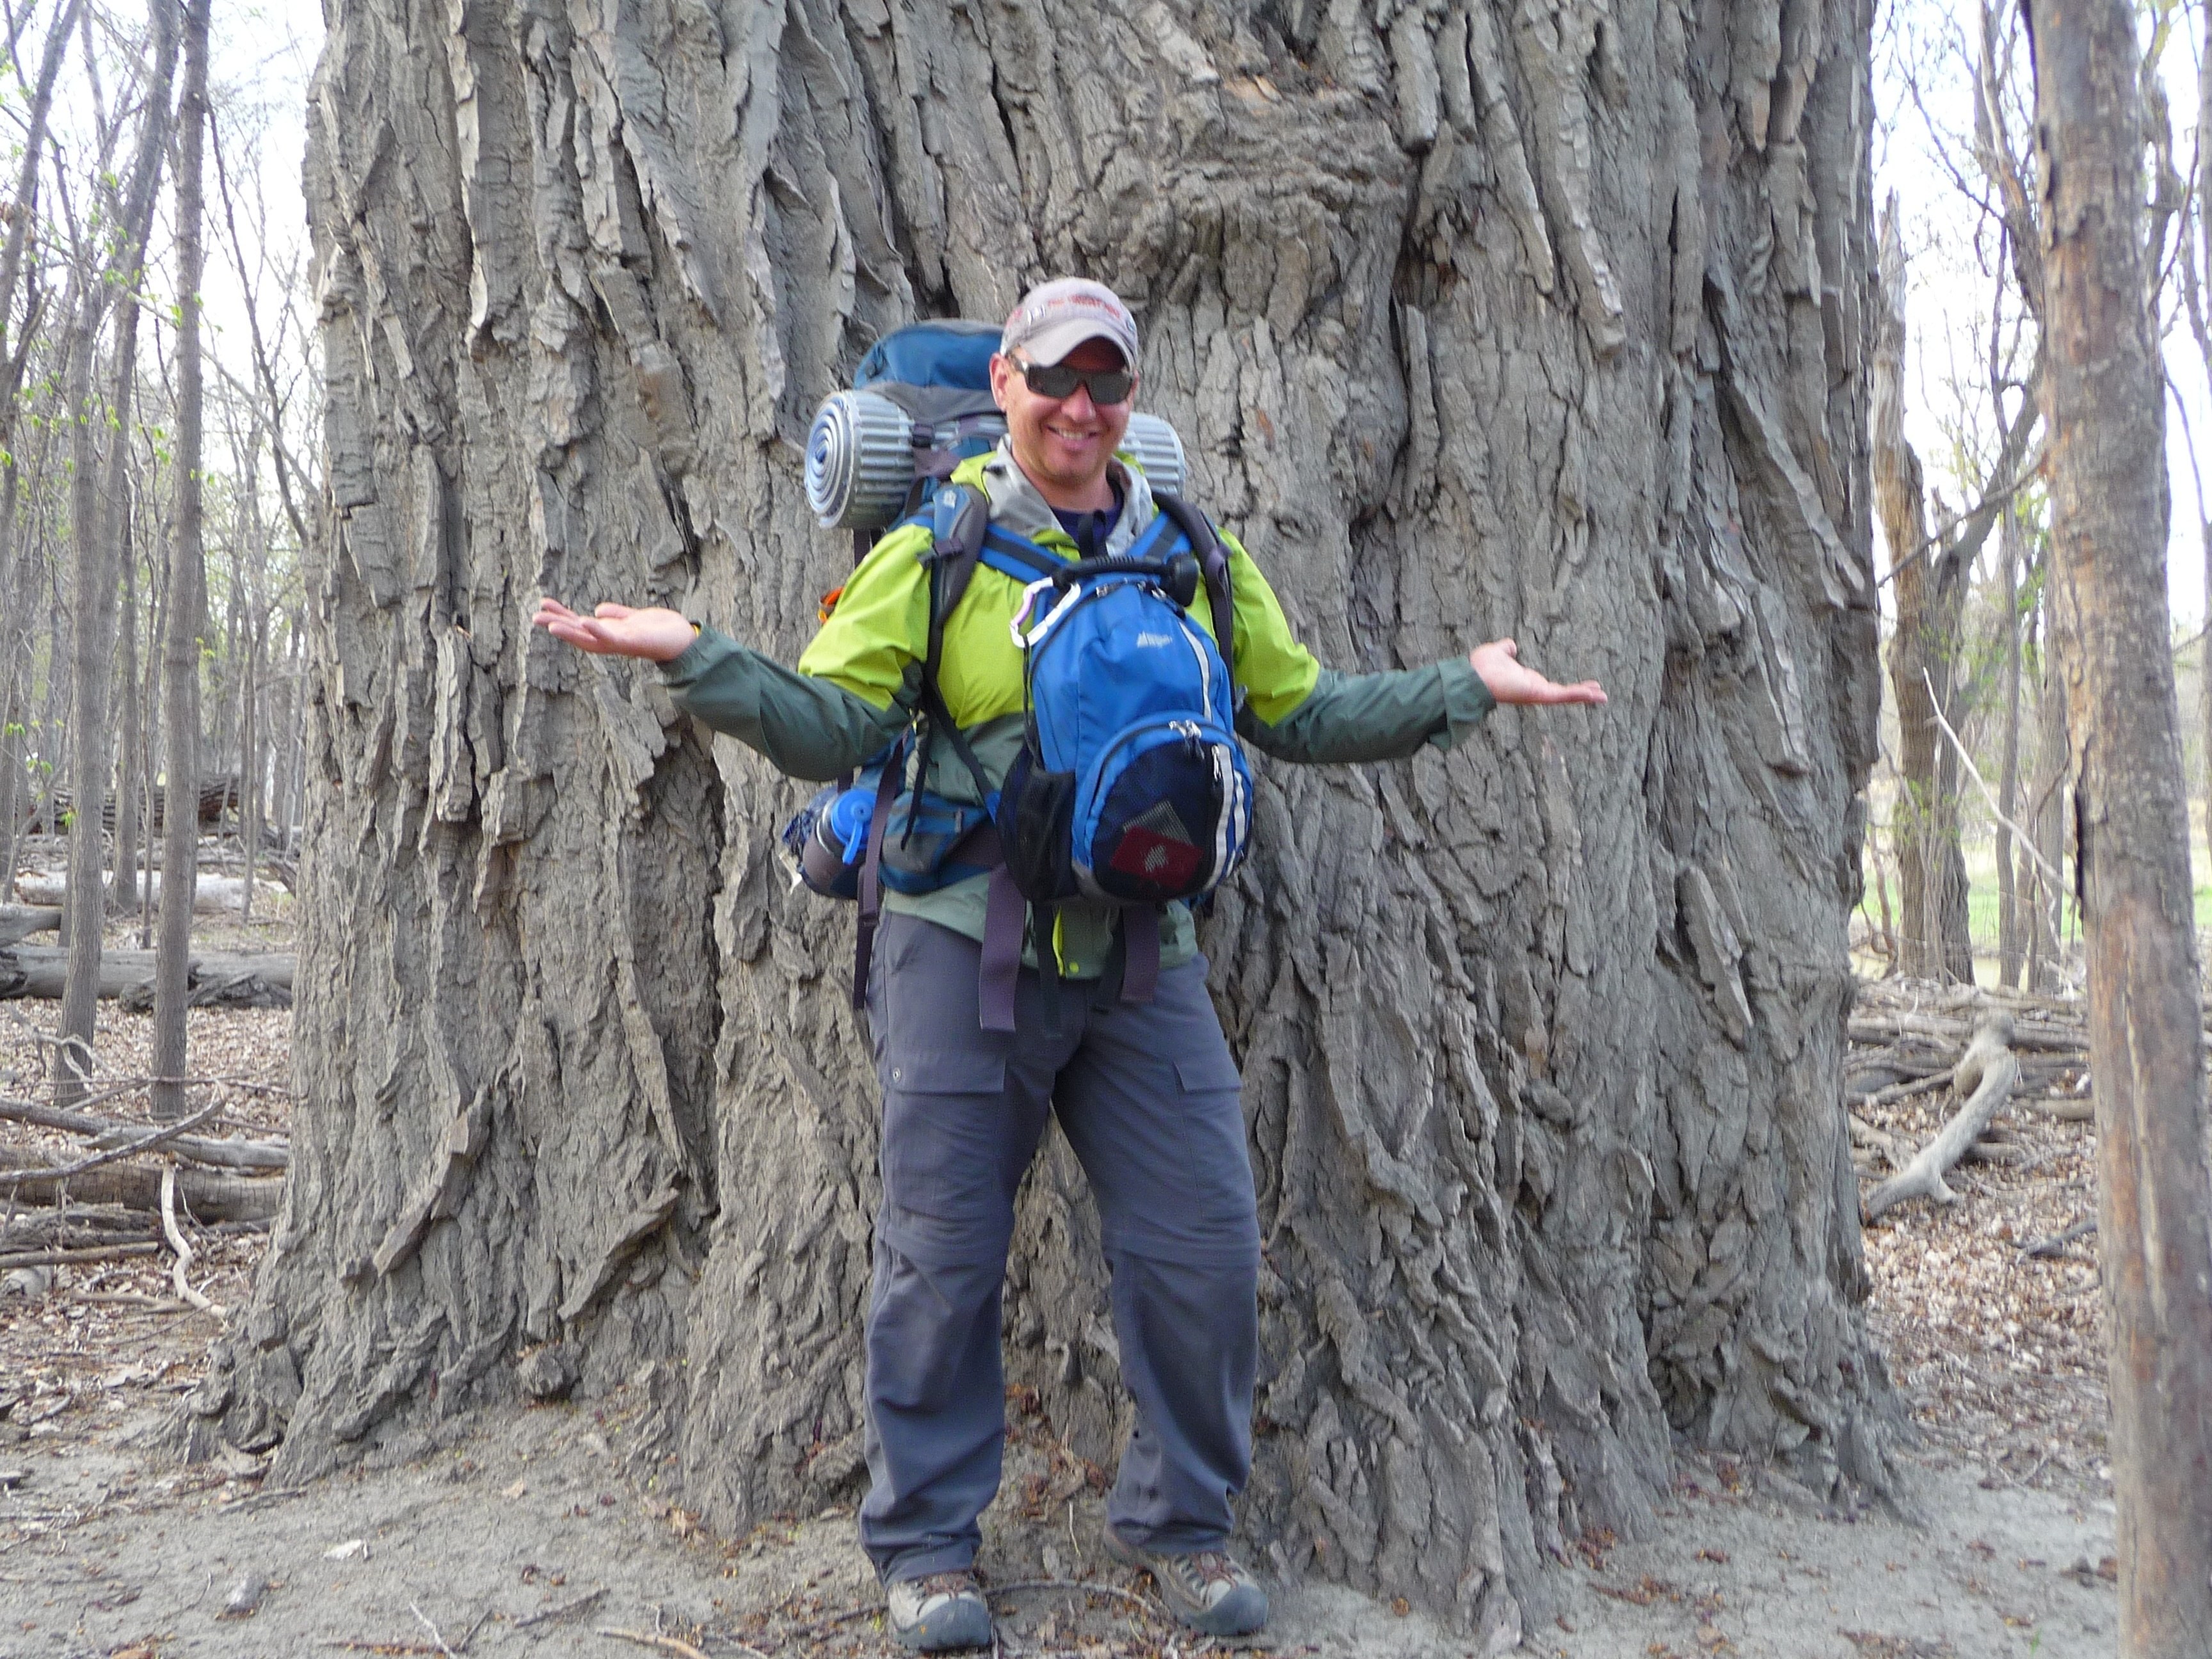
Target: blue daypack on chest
{"x":1131,"y":787}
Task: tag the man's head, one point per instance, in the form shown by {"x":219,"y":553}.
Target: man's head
{"x":1066,"y":373}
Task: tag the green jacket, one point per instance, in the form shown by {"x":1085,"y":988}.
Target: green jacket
{"x":857,"y":684}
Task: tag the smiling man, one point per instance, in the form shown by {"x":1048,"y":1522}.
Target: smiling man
{"x":1130,"y":1059}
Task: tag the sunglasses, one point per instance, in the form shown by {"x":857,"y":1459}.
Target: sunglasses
{"x":1107,"y":386}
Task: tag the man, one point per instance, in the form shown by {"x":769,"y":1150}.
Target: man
{"x":1146,"y":1091}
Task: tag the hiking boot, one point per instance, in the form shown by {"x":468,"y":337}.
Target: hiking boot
{"x":944,"y":1610}
{"x":1207,"y":1590}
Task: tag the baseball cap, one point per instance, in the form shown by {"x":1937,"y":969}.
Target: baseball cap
{"x":1055,"y":318}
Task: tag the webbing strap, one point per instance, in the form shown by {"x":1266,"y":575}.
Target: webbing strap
{"x":1214,"y":563}
{"x":1001,"y":969}
{"x":1044,"y":930}
{"x":1140,"y":952}
{"x":872,"y":879}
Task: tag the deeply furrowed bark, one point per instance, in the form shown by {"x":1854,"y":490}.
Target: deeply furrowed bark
{"x":1475,"y":322}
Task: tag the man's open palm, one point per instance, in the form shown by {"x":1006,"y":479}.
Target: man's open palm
{"x":616,"y":630}
{"x":1499,"y":665}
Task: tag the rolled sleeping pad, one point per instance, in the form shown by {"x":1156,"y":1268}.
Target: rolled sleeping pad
{"x":860,"y":455}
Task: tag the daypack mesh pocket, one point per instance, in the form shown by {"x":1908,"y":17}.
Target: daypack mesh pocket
{"x":1036,"y":808}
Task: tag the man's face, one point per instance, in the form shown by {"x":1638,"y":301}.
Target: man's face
{"x":1064,"y":443}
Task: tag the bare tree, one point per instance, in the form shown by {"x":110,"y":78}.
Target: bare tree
{"x":14,"y":651}
{"x":1930,"y":572}
{"x":101,"y":528}
{"x":180,"y":717}
{"x":2104,"y":399}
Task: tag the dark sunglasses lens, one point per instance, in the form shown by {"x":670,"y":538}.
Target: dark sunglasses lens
{"x":1051,"y":380}
{"x":1059,"y":380}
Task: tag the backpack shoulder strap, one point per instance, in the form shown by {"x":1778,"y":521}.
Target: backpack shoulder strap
{"x":1214,"y":562}
{"x":959,"y":517}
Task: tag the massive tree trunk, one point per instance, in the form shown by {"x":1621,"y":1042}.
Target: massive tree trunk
{"x":2105,"y":406}
{"x":1477,"y":322}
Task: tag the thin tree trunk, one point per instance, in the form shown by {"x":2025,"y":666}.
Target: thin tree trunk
{"x":129,"y":760}
{"x":100,"y":521}
{"x":151,"y":747}
{"x":84,"y":903}
{"x":14,"y":667}
{"x":180,"y":696}
{"x":2010,"y":955}
{"x":2048,"y":807}
{"x":2109,"y":512}
{"x":1932,"y":871}
{"x":14,"y":675}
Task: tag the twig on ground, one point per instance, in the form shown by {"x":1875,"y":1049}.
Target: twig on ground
{"x":646,"y":1639}
{"x":2055,"y":1245}
{"x":1072,"y":1584}
{"x":181,"y":1246}
{"x":258,"y":1499}
{"x":1865,"y":1135}
{"x":1919,"y":1085}
{"x":423,"y":1618}
{"x":273,"y":1154}
{"x":566,"y":1610}
{"x":47,"y":1174}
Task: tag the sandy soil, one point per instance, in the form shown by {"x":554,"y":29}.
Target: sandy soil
{"x":521,"y":1533}
{"x":518,"y":1535}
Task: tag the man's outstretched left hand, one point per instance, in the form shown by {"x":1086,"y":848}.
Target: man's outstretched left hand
{"x":1500,"y":667}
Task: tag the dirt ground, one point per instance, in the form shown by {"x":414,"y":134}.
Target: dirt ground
{"x":517,"y":1532}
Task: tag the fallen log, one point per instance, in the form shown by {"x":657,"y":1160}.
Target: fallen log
{"x":218,"y":798}
{"x":19,"y":921}
{"x":1984,"y":1079}
{"x":193,"y":1148}
{"x":57,"y":1258}
{"x":212,"y":896}
{"x":210,"y":1196}
{"x":254,"y":981}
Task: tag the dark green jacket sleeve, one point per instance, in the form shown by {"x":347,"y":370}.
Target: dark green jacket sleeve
{"x":1375,"y":717}
{"x":807,"y":727}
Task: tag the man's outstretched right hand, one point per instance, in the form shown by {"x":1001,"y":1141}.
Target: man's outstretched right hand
{"x":616,"y":631}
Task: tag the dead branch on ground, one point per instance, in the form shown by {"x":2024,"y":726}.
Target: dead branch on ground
{"x":1984,"y":1077}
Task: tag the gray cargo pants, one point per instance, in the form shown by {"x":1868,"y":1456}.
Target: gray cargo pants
{"x":1148,"y":1098}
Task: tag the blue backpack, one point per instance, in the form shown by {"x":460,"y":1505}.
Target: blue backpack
{"x":1130,"y":788}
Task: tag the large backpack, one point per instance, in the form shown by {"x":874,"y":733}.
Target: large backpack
{"x":1130,"y":788}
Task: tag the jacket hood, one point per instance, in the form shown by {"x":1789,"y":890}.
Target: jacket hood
{"x":1018,"y":508}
